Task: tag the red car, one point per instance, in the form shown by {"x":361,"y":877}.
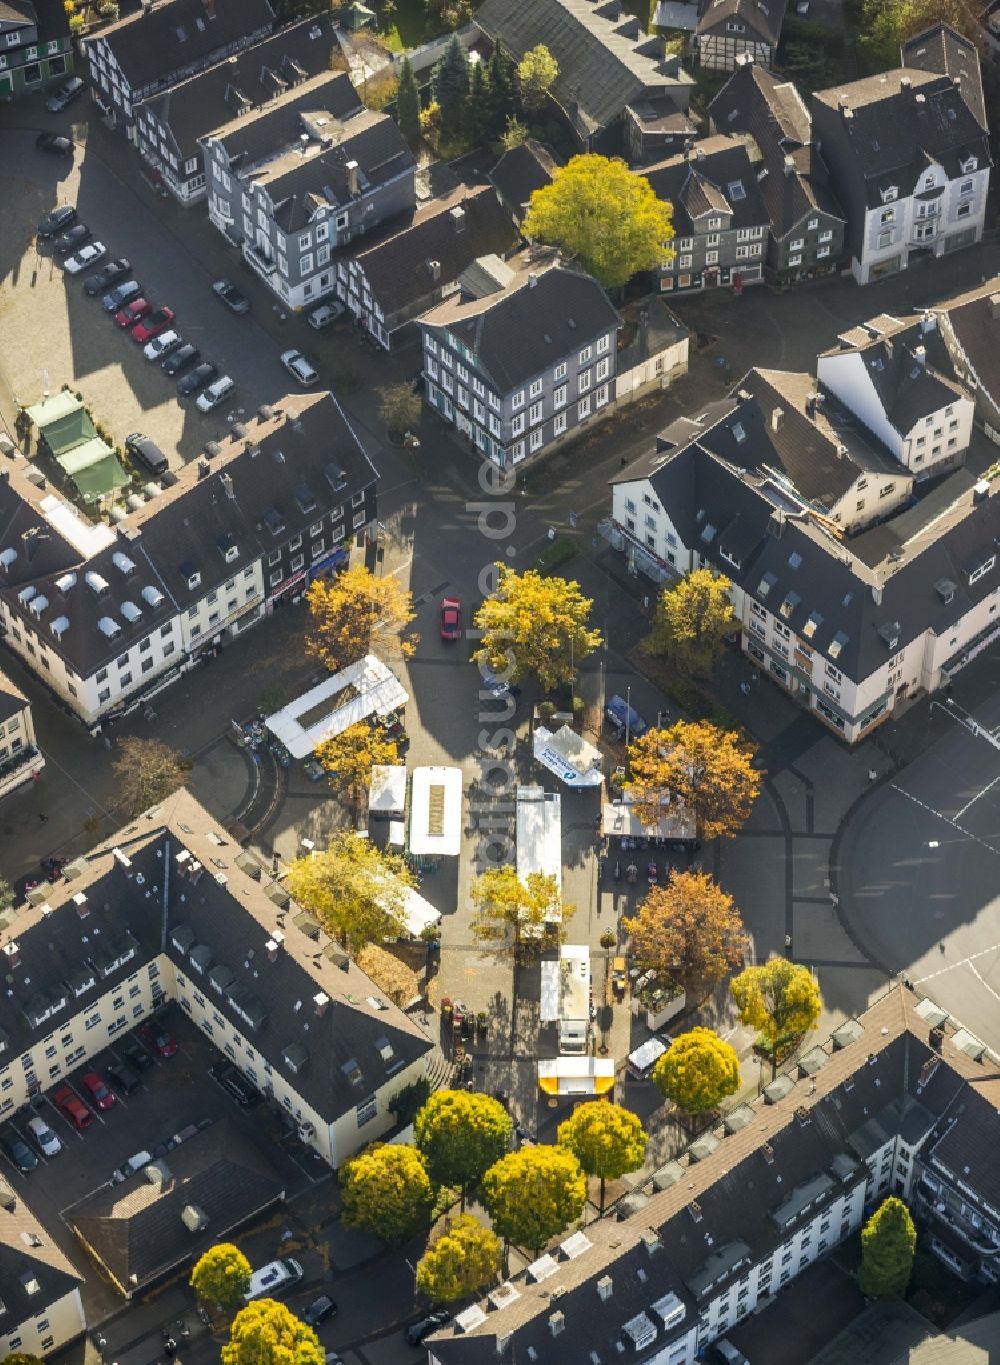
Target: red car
{"x":153,"y":324}
{"x":72,"y":1107}
{"x":100,"y":1096}
{"x":132,"y":312}
{"x":158,"y":1040}
{"x":451,"y":619}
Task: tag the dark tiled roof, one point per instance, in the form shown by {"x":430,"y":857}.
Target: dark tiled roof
{"x":660,"y":114}
{"x":518,"y":332}
{"x":263,"y":132}
{"x":763,"y":17}
{"x":969,"y":1149}
{"x":909,"y":387}
{"x":397,"y":264}
{"x":939,"y":48}
{"x":136,"y":1229}
{"x":701,"y":180}
{"x":149,"y":44}
{"x":975,"y":322}
{"x":29,"y":1257}
{"x":259,"y":74}
{"x":17,"y":12}
{"x":520,"y":172}
{"x":12,"y":699}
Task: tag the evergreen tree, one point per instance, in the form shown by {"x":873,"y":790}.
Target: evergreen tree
{"x":477,"y":109}
{"x":501,"y":106}
{"x":450,"y":84}
{"x":408,"y":104}
{"x":888,"y":1241}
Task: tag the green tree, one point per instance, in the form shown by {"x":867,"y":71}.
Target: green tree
{"x":21,"y":1358}
{"x":525,"y":914}
{"x":534,"y":1194}
{"x":386,"y":1190}
{"x":885,"y":24}
{"x":268,"y":1333}
{"x":408,"y":104}
{"x":461,"y":1134}
{"x":698,"y":1070}
{"x":780,"y":999}
{"x":707,"y":769}
{"x":146,"y":771}
{"x":691,"y":621}
{"x":399,"y":406}
{"x":689,"y":930}
{"x":536,"y":72}
{"x":601,"y":212}
{"x":535,"y":626}
{"x":450,"y":88}
{"x":514,"y":135}
{"x":355,"y":889}
{"x":888,"y":1241}
{"x":477,"y":109}
{"x":7,"y":894}
{"x":500,"y":73}
{"x":607,"y":1140}
{"x":462,"y":1260}
{"x":222,"y":1275}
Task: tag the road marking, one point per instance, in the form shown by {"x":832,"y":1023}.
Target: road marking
{"x":960,"y":813}
{"x":965,"y":962}
{"x":946,"y":818}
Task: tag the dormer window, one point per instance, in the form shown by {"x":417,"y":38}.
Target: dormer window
{"x":229,"y":550}
{"x":739,"y":432}
{"x":971,"y":163}
{"x":890,"y":193}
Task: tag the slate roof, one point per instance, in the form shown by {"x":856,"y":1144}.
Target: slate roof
{"x":396,"y":263}
{"x":29,"y":1257}
{"x":660,"y":114}
{"x":17,"y":12}
{"x":940,"y":49}
{"x":762,"y":17}
{"x":12,"y":699}
{"x":149,"y":44}
{"x":517,"y":332}
{"x":699,"y":182}
{"x":135,"y":1229}
{"x":605,"y":60}
{"x":975,"y":323}
{"x":269,"y":71}
{"x":902,"y":121}
{"x":278,"y":125}
{"x":520,"y":172}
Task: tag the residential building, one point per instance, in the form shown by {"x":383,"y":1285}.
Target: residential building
{"x":654,"y":128}
{"x":807,"y":224}
{"x":107,"y":617}
{"x":408,"y":268}
{"x":520,"y":357}
{"x":910,"y":164}
{"x":20,"y":758}
{"x":970,"y":330}
{"x":159,"y":45}
{"x":729,"y":29}
{"x":293,"y":183}
{"x":605,"y":62}
{"x":720,"y":221}
{"x":762,"y":1195}
{"x":275,"y":72}
{"x":520,"y":172}
{"x":945,"y":52}
{"x":35,"y":45}
{"x":653,"y":346}
{"x":260,"y":979}
{"x":39,"y":1285}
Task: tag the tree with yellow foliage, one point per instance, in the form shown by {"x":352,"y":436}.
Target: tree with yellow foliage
{"x":222,"y":1276}
{"x":691,"y":620}
{"x":535,"y":626}
{"x":463,"y":1259}
{"x":607,"y":1140}
{"x":698,"y":1070}
{"x":354,"y":613}
{"x":534,"y":1194}
{"x":689,"y":930}
{"x":356,"y":890}
{"x":386,"y":1190}
{"x":350,"y":756}
{"x":707,"y":769}
{"x":266,"y":1332}
{"x":779,"y":998}
{"x":527,"y":915}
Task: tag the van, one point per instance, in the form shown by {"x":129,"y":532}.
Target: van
{"x":322,"y":315}
{"x":129,"y":1167}
{"x":641,"y":1062}
{"x":146,"y":452}
{"x":277,"y":1277}
{"x":727,"y":1352}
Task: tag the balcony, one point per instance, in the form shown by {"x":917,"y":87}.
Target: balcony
{"x":264,"y":265}
{"x":19,"y":768}
{"x":947,"y":1209}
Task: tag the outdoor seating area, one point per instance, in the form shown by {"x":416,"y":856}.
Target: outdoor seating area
{"x":68,"y":432}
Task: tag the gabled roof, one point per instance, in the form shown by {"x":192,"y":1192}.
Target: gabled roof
{"x":268,"y":71}
{"x":520,"y":172}
{"x":12,"y":700}
{"x":755,"y":98}
{"x":17,"y":12}
{"x":974,"y":320}
{"x":318,"y":105}
{"x":605,"y":60}
{"x":761,"y":17}
{"x":168,"y":37}
{"x":541,"y":317}
{"x":34,"y":1273}
{"x":707,"y":179}
{"x":942,"y":50}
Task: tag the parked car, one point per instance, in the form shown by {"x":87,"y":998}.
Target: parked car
{"x":417,"y":1331}
{"x":162,"y":344}
{"x":153,"y":324}
{"x":123,"y":1078}
{"x":299,"y":368}
{"x":234,"y":1083}
{"x":72,"y":1107}
{"x":451,"y":618}
{"x":133,"y":1052}
{"x":181,"y":359}
{"x":231,"y":296}
{"x":216,"y":393}
{"x":273,"y":1278}
{"x":44,"y":1138}
{"x":65,"y":94}
{"x":18,"y":1150}
{"x":197,"y":378}
{"x":102,"y":280}
{"x":87,"y":255}
{"x":57,"y":221}
{"x":158,"y":1039}
{"x":319,"y":1311}
{"x":97,"y":1090}
{"x":120,"y":295}
{"x":71,"y":239}
{"x":55,"y":143}
{"x":132,"y":312}
{"x":323,"y":314}
{"x":145,"y":452}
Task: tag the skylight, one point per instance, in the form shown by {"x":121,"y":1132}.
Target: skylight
{"x":736,"y":190}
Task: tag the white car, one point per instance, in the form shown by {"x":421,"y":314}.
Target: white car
{"x":86,"y":256}
{"x":299,"y":368}
{"x":215,"y":394}
{"x":162,"y":345}
{"x":45,"y":1140}
{"x":323,"y":314}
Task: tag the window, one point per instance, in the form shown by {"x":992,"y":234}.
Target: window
{"x":603,"y":344}
{"x":535,"y":414}
{"x":517,"y":426}
{"x":367,"y":1110}
{"x":584,"y":381}
{"x":711,"y":258}
{"x":884,"y":240}
{"x":560,"y":371}
{"x":559,"y":424}
{"x":795,"y":260}
{"x":963,"y":211}
{"x":517,"y":401}
{"x":535,"y":389}
{"x":736,"y":191}
{"x":585,"y":355}
{"x":583,"y":409}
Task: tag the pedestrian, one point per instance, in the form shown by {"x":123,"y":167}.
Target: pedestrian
{"x":43,"y":819}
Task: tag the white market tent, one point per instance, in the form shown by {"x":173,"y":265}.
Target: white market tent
{"x":387,"y":791}
{"x":569,"y":756}
{"x":619,"y":819}
{"x":539,"y":833}
{"x":367,"y":688}
{"x":565,"y":984}
{"x":576,"y":1075}
{"x":418,"y":912}
{"x":436,"y":812}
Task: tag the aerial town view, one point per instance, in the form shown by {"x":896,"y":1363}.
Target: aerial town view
{"x":499,"y":682}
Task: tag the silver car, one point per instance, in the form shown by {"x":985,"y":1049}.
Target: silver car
{"x":44,"y":1138}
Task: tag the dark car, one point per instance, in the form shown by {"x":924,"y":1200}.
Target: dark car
{"x":66,"y":94}
{"x":234,"y":1083}
{"x":121,"y":295}
{"x":102,"y":280}
{"x":54,"y":143}
{"x":231,"y":296}
{"x":19,"y":1151}
{"x":197,"y":379}
{"x":145,"y":452}
{"x":182,"y":359}
{"x":69,"y":241}
{"x":319,"y":1310}
{"x":123,"y":1078}
{"x":134,"y":1053}
{"x":417,"y":1331}
{"x":158,"y":1039}
{"x":57,"y":221}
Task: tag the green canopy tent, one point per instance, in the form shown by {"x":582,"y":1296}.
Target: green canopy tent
{"x":66,"y":428}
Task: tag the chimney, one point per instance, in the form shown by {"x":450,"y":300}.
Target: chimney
{"x":920,"y":355}
{"x":352,"y":178}
{"x":905,"y":83}
{"x":699,"y":154}
{"x":995,"y":307}
{"x":777,"y":417}
{"x":877,"y":594}
{"x":928,"y":323}
{"x":227,"y":485}
{"x":82,"y":908}
{"x":789,"y":166}
{"x":935,"y":1038}
{"x":209,"y":8}
{"x":557,"y":1323}
{"x":434,"y":270}
{"x":457,"y":216}
{"x":273,"y":945}
{"x":605,"y":1288}
{"x":203,"y":467}
{"x":321,"y":1003}
{"x":981,"y":490}
{"x":12,"y":953}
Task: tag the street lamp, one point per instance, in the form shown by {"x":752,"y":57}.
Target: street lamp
{"x":628,"y":714}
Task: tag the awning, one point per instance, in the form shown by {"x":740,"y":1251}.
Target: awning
{"x":619,"y":819}
{"x":436,"y":812}
{"x":418,"y":913}
{"x":565,"y":753}
{"x":576,"y":1075}
{"x":548,"y":1010}
{"x":363,"y":689}
{"x":387,"y":792}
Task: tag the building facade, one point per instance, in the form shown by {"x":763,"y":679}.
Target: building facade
{"x":970,"y":330}
{"x":20,"y":758}
{"x":39,"y":1286}
{"x":35,"y":46}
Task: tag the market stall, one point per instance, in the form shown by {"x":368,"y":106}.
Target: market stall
{"x":435,"y":828}
{"x":366,"y":688}
{"x":567,"y":754}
